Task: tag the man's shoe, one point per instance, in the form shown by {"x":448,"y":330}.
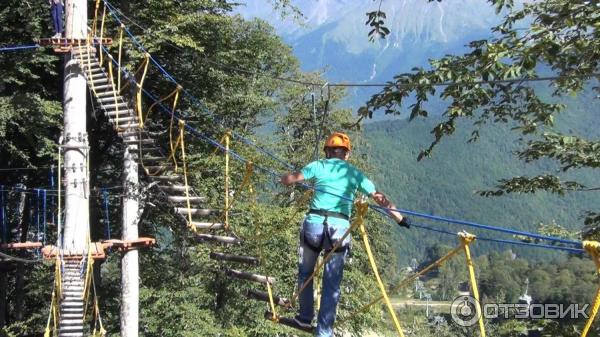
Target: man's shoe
{"x":57,"y":36}
{"x":302,"y":324}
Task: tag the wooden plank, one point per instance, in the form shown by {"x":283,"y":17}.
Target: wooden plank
{"x":97,"y":248}
{"x":183,"y":198}
{"x":193,"y":211}
{"x":126,"y":245}
{"x":21,"y":245}
{"x":217,"y":238}
{"x":207,"y":225}
{"x":249,"y":276}
{"x":263,"y":296}
{"x":235,"y":258}
{"x":288,"y":322}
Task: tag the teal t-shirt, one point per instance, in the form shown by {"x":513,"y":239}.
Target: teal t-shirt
{"x":335,"y":176}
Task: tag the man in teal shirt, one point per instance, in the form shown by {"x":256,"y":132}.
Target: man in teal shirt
{"x":336,"y":183}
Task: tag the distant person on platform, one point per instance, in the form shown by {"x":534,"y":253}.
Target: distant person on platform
{"x":336,"y":183}
{"x":56,"y":9}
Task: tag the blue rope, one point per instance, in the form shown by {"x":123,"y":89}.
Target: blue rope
{"x":482,"y":226}
{"x":238,"y":157}
{"x":52,"y":200}
{"x":37,"y":212}
{"x":3,"y":216}
{"x":106,"y":214}
{"x":13,"y":48}
{"x":45,"y":218}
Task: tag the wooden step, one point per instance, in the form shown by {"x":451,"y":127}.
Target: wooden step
{"x":217,"y":238}
{"x":263,"y":296}
{"x":102,"y":87}
{"x":288,"y":322}
{"x":171,"y":188}
{"x":242,"y":275}
{"x":165,"y":178}
{"x":123,"y":120}
{"x":207,"y":225}
{"x":113,"y":106}
{"x":138,"y":141}
{"x":100,"y":80}
{"x":194,"y":211}
{"x":107,"y":93}
{"x":152,"y":159}
{"x":122,"y":113}
{"x":235,"y":258}
{"x":184,"y":199}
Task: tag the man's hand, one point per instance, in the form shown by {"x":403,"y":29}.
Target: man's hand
{"x":383,"y":201}
{"x":292,"y":178}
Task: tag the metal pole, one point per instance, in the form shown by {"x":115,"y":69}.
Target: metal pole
{"x":76,"y":226}
{"x":130,"y":262}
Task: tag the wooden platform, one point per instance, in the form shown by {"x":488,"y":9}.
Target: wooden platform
{"x":127,"y":245}
{"x":20,"y":245}
{"x":64,"y":45}
{"x":97,"y":248}
{"x":287,"y":322}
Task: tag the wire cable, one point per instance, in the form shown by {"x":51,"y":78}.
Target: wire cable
{"x":13,"y":48}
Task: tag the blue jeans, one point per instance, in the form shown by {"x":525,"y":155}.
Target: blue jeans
{"x":57,"y":17}
{"x":312,"y":234}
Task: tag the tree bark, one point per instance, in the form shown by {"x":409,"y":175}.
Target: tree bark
{"x":24,"y":219}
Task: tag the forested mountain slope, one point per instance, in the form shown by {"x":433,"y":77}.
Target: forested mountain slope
{"x":446,"y":184}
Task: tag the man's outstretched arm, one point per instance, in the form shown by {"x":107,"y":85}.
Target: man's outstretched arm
{"x":383,"y":201}
{"x":292,"y":178}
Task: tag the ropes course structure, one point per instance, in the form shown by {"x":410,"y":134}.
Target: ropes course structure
{"x":122,"y":95}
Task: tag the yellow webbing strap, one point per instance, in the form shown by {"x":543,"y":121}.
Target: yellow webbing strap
{"x":121,"y":29}
{"x":185,"y":176}
{"x":406,"y":282}
{"x":173,"y":146}
{"x":95,"y":24}
{"x":112,"y":84}
{"x":102,"y":35}
{"x":275,"y":316}
{"x":101,"y":332}
{"x":88,"y":279}
{"x":360,"y":214}
{"x":175,"y":93}
{"x":89,"y":63}
{"x":140,"y":85}
{"x":226,"y":187}
{"x":56,"y":295}
{"x":51,"y":315}
{"x":135,"y":75}
{"x":593,"y":248}
{"x":466,"y":239}
{"x":388,"y":303}
{"x":58,"y":276}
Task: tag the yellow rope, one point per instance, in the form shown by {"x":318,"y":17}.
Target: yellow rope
{"x":593,"y":248}
{"x":275,"y":316}
{"x":175,"y":93}
{"x":95,"y":24}
{"x":121,"y":29}
{"x":140,"y":85}
{"x":88,"y":278}
{"x":102,"y":34}
{"x":362,"y":206}
{"x":406,"y":282}
{"x":112,"y":84}
{"x":89,"y":63}
{"x":467,"y":239}
{"x":185,"y":176}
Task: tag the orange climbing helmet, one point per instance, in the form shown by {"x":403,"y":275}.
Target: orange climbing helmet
{"x":338,"y":139}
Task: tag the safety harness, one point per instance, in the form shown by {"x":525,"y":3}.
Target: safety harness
{"x":326,"y":233}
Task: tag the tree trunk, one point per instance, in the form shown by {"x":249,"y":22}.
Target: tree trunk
{"x":130,"y":262}
{"x":23,"y":229}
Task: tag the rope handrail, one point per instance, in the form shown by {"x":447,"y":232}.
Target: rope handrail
{"x":18,"y":47}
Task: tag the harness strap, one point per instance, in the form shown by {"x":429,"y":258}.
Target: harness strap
{"x":326,"y":214}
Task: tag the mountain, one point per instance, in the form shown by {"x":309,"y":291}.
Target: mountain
{"x":332,"y":36}
{"x":445,"y":184}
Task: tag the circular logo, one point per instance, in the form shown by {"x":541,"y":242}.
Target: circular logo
{"x":464,"y":311}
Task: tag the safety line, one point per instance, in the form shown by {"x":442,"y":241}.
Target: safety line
{"x":7,"y":257}
{"x":12,"y":48}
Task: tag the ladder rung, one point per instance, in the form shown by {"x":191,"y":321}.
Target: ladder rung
{"x":194,"y":211}
{"x":165,"y":178}
{"x":179,"y":199}
{"x":138,"y":141}
{"x":207,"y":225}
{"x":263,"y":296}
{"x":235,"y":258}
{"x":217,"y":238}
{"x":249,"y":276}
{"x":122,"y":112}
